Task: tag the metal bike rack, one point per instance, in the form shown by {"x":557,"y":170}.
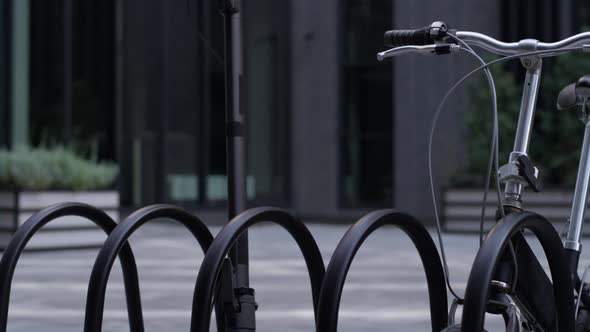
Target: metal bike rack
{"x":344,"y":254}
{"x":34,"y":223}
{"x":117,"y":241}
{"x":486,"y":261}
{"x":326,"y":292}
{"x":216,"y":256}
{"x":223,"y":278}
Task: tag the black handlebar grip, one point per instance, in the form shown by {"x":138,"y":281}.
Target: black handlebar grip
{"x":394,"y":38}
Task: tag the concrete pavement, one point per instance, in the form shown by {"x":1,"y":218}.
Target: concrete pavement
{"x":385,"y":289}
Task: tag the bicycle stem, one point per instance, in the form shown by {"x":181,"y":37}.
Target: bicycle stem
{"x":509,"y":173}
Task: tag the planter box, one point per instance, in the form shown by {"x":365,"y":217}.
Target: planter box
{"x":62,"y":233}
{"x":462,"y":208}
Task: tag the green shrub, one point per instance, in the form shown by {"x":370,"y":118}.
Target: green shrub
{"x":557,"y":136}
{"x":53,"y":169}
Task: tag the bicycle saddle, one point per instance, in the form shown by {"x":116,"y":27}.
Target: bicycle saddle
{"x":574,"y":94}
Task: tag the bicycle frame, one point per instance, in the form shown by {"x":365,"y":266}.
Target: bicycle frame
{"x":576,"y":220}
{"x":516,"y":277}
{"x":533,"y":280}
{"x":514,"y":183}
{"x":509,"y":173}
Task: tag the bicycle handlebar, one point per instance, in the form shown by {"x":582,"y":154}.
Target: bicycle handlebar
{"x":526,"y":45}
{"x":438,"y":33}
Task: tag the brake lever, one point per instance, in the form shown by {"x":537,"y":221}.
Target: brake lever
{"x":434,"y":49}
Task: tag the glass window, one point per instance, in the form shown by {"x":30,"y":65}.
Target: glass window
{"x":161,"y":115}
{"x":266,"y":25}
{"x":46,"y":70}
{"x":154,"y":98}
{"x":4,"y":72}
{"x":583,"y":12}
{"x":367,"y":105}
{"x":77,"y":110}
{"x":174,"y":102}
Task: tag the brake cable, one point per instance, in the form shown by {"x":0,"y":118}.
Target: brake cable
{"x":493,"y":160}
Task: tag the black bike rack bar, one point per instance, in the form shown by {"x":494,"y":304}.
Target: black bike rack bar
{"x":117,"y":241}
{"x":212,"y":264}
{"x":488,"y":256}
{"x":34,"y":223}
{"x":346,"y":250}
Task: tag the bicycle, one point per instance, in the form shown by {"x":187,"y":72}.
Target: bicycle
{"x":506,"y":278}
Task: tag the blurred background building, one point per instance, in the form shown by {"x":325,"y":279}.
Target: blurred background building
{"x":331,"y":130}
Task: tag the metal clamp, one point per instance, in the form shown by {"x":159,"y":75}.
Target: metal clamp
{"x":521,"y":170}
{"x":238,"y":302}
{"x":530,"y":45}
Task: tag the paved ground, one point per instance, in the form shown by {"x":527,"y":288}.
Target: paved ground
{"x":385,"y":290}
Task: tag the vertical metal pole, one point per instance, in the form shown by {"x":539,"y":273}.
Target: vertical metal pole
{"x":67,"y":70}
{"x":244,"y":318}
{"x":235,"y":129}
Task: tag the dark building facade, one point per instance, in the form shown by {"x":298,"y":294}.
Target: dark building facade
{"x":330,"y":130}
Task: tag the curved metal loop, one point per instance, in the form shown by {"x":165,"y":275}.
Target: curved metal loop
{"x":477,"y":291}
{"x":211,"y":267}
{"x":34,"y":223}
{"x":117,"y":241}
{"x":346,"y":250}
